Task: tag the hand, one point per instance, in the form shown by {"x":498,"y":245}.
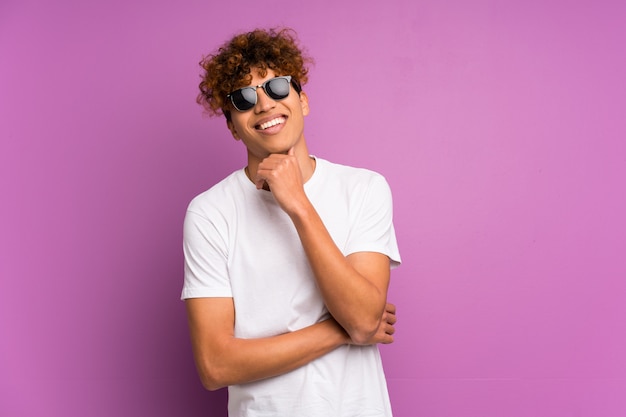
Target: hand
{"x":386,"y":328}
{"x":282,"y":174}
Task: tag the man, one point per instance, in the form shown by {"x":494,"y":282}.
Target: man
{"x":287,"y":261}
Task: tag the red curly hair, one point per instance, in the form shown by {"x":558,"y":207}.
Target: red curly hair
{"x":229,"y":69}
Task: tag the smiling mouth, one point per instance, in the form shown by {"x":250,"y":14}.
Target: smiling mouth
{"x":271,"y":123}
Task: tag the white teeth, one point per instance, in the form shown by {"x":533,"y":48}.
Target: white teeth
{"x":273,"y":122}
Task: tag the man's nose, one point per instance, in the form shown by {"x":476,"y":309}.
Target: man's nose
{"x":263,"y":101}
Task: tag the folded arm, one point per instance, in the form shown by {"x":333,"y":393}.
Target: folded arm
{"x":222,"y":359}
{"x":354,"y":288}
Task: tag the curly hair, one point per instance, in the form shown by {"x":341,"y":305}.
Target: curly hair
{"x":229,"y":68}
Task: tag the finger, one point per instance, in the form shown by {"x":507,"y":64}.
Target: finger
{"x":387,"y":340}
{"x":391,"y":308}
{"x":291,"y":151}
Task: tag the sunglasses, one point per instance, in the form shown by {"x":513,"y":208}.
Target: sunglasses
{"x":276,"y":88}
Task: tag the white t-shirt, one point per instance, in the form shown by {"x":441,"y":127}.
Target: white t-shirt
{"x":239,"y":243}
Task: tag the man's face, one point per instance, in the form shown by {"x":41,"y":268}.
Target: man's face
{"x":271,"y":126}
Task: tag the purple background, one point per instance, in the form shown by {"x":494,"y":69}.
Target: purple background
{"x":500,"y":126}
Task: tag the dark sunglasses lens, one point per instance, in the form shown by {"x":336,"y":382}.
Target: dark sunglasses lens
{"x":277,"y":88}
{"x":244,"y":99}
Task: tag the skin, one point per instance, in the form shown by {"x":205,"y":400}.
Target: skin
{"x":354,"y":288}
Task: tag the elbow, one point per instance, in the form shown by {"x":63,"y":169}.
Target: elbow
{"x":211,"y":378}
{"x":361,"y":338}
{"x":363,"y":333}
{"x":211,"y":385}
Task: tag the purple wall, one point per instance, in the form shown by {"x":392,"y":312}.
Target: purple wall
{"x":500,"y":126}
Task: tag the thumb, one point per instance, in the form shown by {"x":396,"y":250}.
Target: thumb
{"x":291,"y":151}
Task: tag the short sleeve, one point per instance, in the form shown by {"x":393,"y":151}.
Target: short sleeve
{"x":206,"y":258}
{"x":372,"y":229}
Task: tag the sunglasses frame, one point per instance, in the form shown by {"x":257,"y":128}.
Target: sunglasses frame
{"x":263,"y":86}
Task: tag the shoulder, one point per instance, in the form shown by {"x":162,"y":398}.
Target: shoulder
{"x":351,"y":178}
{"x":348,"y":173}
{"x":220,"y":196}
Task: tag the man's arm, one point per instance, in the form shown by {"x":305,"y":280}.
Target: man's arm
{"x":222,"y":359}
{"x":354,"y":288}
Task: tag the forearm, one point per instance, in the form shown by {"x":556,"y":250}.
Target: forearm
{"x":231,"y":360}
{"x":356,"y":301}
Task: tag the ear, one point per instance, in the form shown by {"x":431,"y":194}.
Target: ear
{"x":304,"y":103}
{"x":232,"y":129}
